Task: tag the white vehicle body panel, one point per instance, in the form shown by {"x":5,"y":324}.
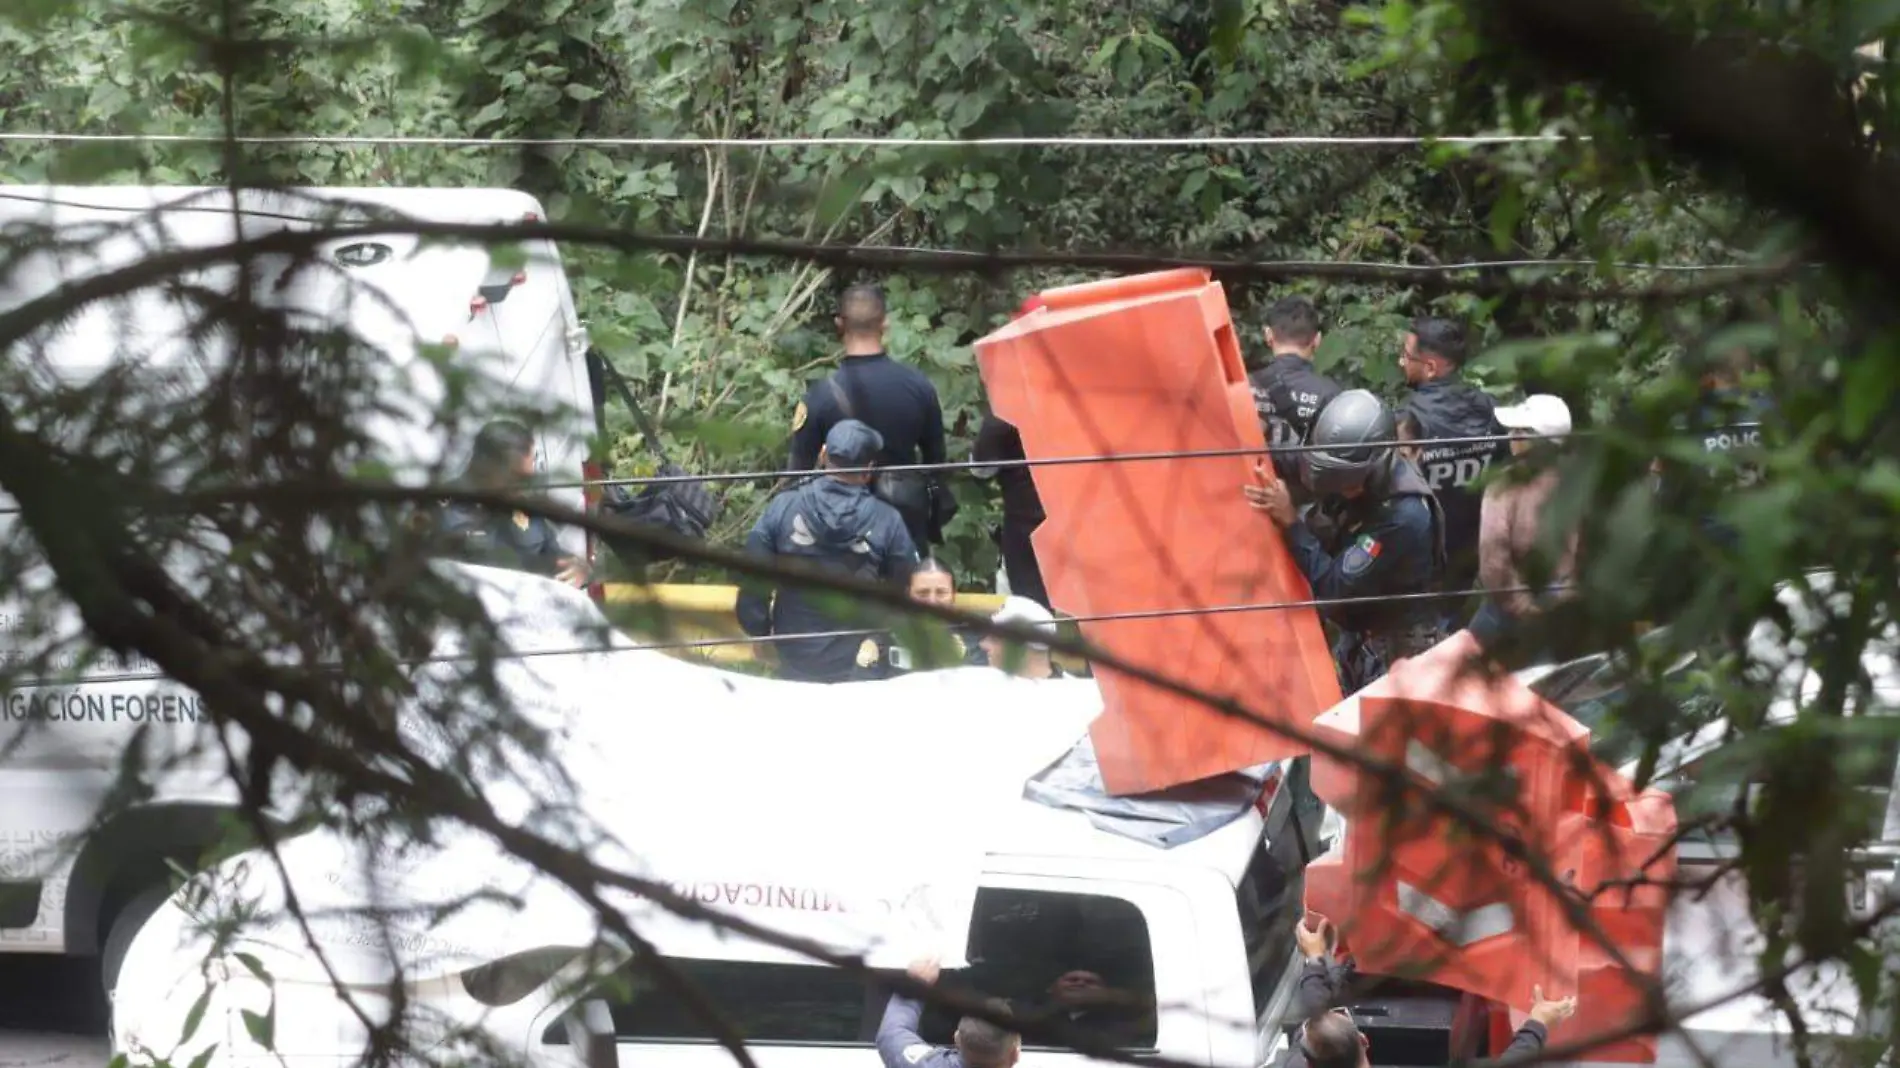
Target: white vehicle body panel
{"x":1184,"y":895}
{"x":64,"y":732}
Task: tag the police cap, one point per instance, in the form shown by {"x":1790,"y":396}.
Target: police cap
{"x":852,"y":444}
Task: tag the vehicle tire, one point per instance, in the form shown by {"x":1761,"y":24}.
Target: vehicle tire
{"x":125,"y":926}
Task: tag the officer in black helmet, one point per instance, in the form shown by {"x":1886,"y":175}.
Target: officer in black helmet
{"x":1374,"y":530}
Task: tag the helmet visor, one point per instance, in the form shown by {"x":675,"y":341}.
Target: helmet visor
{"x":1331,"y":475}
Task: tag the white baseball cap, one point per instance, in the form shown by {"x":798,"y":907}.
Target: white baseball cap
{"x":1023,"y":612}
{"x":1542,"y":414}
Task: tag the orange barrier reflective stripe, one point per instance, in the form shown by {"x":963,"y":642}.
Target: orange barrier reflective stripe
{"x":1420,"y":894}
{"x":1151,"y":364}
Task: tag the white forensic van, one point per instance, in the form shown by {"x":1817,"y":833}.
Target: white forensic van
{"x":943,"y":812}
{"x":68,"y":882}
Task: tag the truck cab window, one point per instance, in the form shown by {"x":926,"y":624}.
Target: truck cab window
{"x":1080,"y":959}
{"x":770,"y":1003}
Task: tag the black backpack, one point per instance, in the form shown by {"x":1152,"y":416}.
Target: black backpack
{"x":687,"y":507}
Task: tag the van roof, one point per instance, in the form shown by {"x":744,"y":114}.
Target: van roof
{"x":56,"y":204}
{"x":1023,"y":724}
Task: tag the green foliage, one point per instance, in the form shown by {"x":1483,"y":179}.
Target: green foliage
{"x":723,"y":345}
{"x":724,"y":355}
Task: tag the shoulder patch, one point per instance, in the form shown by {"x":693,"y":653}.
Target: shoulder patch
{"x":1360,"y":556}
{"x":867,"y":653}
{"x":916,"y":1052}
{"x":521,"y":520}
{"x":799,"y":415}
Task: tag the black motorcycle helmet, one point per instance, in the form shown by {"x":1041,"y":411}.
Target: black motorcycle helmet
{"x":1352,"y":444}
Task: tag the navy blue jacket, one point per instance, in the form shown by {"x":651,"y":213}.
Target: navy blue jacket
{"x":1387,"y":541}
{"x":838,"y":527}
{"x":894,"y":399}
{"x":1449,"y":408}
{"x":1727,"y":420}
{"x":899,"y":1044}
{"x":514,"y":540}
{"x":1288,"y":394}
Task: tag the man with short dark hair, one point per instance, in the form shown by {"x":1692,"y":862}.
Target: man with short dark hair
{"x":1443,"y":407}
{"x":894,"y":399}
{"x":502,"y":462}
{"x":835,"y":524}
{"x":1288,"y":393}
{"x":976,"y":1044}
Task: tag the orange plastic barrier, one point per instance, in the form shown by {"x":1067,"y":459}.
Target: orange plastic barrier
{"x":1420,"y":894}
{"x":1144,"y":365}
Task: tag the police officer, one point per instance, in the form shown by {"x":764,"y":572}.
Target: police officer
{"x":996,"y":441}
{"x":1375,"y":530}
{"x":503,"y":462}
{"x":1443,"y":406}
{"x":895,"y":400}
{"x":1727,"y":418}
{"x":976,"y":1044}
{"x":834,"y":523}
{"x":930,"y":582}
{"x":1288,"y":393}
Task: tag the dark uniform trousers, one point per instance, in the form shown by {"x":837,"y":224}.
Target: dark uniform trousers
{"x":997,"y":440}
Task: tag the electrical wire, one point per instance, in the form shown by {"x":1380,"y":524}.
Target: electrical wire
{"x":401,"y":141}
{"x":1425,"y":269}
{"x":1421,"y":268}
{"x":1318,"y":603}
{"x":1064,"y":461}
{"x":988,"y":466}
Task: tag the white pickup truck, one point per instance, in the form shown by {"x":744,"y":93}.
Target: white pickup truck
{"x":793,"y":806}
{"x":830,"y":812}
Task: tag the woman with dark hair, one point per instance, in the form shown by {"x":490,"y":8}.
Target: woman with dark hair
{"x":503,"y":462}
{"x":930,"y":582}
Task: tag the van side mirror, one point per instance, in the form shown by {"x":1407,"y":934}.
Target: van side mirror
{"x":590,"y":1029}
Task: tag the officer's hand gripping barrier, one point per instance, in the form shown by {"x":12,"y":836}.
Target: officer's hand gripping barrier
{"x":1151,"y":364}
{"x":1416,"y":893}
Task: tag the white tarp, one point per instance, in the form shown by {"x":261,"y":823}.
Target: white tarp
{"x":858,"y":815}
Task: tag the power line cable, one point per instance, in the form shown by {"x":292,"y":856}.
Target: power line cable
{"x":865,"y":632}
{"x":1098,"y":458}
{"x":401,"y":141}
{"x":1423,"y":269}
{"x":1046,"y":461}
